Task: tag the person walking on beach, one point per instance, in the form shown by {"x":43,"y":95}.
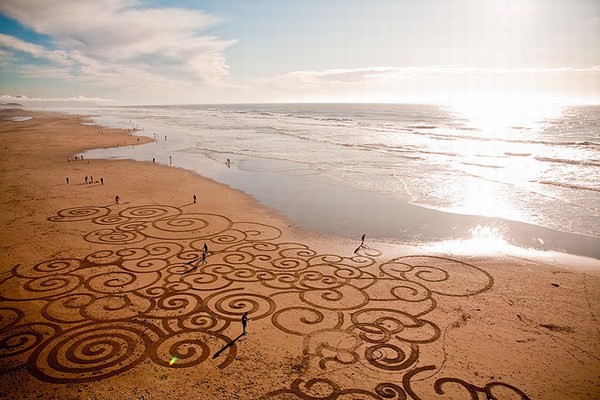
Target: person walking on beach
{"x":205,"y":248}
{"x":244,"y":322}
{"x":203,"y":258}
{"x":194,"y":199}
{"x":102,"y":181}
{"x":67,"y":180}
{"x":117,"y":199}
{"x":91,"y":179}
{"x":153,"y":160}
{"x":170,"y":160}
{"x":362,"y":243}
{"x":86,"y":179}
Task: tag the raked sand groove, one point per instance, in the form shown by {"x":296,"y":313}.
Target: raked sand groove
{"x":144,"y":295}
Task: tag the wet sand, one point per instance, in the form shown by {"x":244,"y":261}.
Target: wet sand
{"x":98,"y":299}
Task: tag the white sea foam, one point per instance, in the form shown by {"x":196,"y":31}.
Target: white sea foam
{"x":20,"y":119}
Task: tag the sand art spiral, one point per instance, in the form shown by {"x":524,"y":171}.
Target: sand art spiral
{"x":144,"y":294}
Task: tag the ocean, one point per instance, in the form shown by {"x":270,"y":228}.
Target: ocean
{"x":413,"y":173}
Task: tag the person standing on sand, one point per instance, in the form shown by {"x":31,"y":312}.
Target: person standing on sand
{"x":67,"y":180}
{"x":194,"y":199}
{"x":153,"y":160}
{"x":362,"y":239}
{"x":244,"y":322}
{"x":117,"y":199}
{"x":102,"y":181}
{"x":86,"y":179}
{"x":205,"y":248}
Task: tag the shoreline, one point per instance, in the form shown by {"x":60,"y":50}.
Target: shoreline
{"x":318,"y":203}
{"x":74,"y":260}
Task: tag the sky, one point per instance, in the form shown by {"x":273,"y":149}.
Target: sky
{"x":244,"y":51}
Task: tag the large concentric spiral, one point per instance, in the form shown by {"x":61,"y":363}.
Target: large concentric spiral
{"x":79,"y":214}
{"x":92,"y":351}
{"x":231,"y":304}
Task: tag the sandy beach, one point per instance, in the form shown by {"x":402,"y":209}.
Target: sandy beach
{"x":100,"y":300}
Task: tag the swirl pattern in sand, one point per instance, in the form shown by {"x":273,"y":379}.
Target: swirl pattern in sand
{"x":145,"y":294}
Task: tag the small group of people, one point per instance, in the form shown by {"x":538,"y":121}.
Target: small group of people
{"x":91,"y":180}
{"x":77,"y":158}
{"x":88,"y":179}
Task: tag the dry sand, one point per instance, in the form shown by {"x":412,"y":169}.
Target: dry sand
{"x":98,"y":298}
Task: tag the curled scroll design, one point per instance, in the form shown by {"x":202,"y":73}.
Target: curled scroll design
{"x":80,"y":214}
{"x":492,"y":390}
{"x":91,"y":351}
{"x":441,"y":275}
{"x":161,"y":283}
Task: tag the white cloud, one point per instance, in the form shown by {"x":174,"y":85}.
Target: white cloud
{"x":118,"y":43}
{"x":358,"y":75}
{"x":16,"y":44}
{"x":442,"y":83}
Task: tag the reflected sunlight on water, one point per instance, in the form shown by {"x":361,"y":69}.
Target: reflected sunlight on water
{"x":498,"y":113}
{"x":483,"y":240}
{"x":512,"y":158}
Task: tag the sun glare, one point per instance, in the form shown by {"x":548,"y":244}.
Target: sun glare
{"x":497,"y":113}
{"x":483,"y":240}
{"x":486,"y":199}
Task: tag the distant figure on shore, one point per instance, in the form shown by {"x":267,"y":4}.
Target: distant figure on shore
{"x":244,"y":322}
{"x":170,"y":160}
{"x":205,"y":248}
{"x":81,"y":157}
{"x":194,"y":199}
{"x":203,"y":258}
{"x":362,"y":243}
{"x":67,"y":180}
{"x":91,"y":179}
{"x":68,"y":159}
{"x":86,"y":179}
{"x":153,"y":160}
{"x":117,"y":199}
{"x":228,"y":163}
{"x":102,"y":181}
{"x":75,"y":158}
